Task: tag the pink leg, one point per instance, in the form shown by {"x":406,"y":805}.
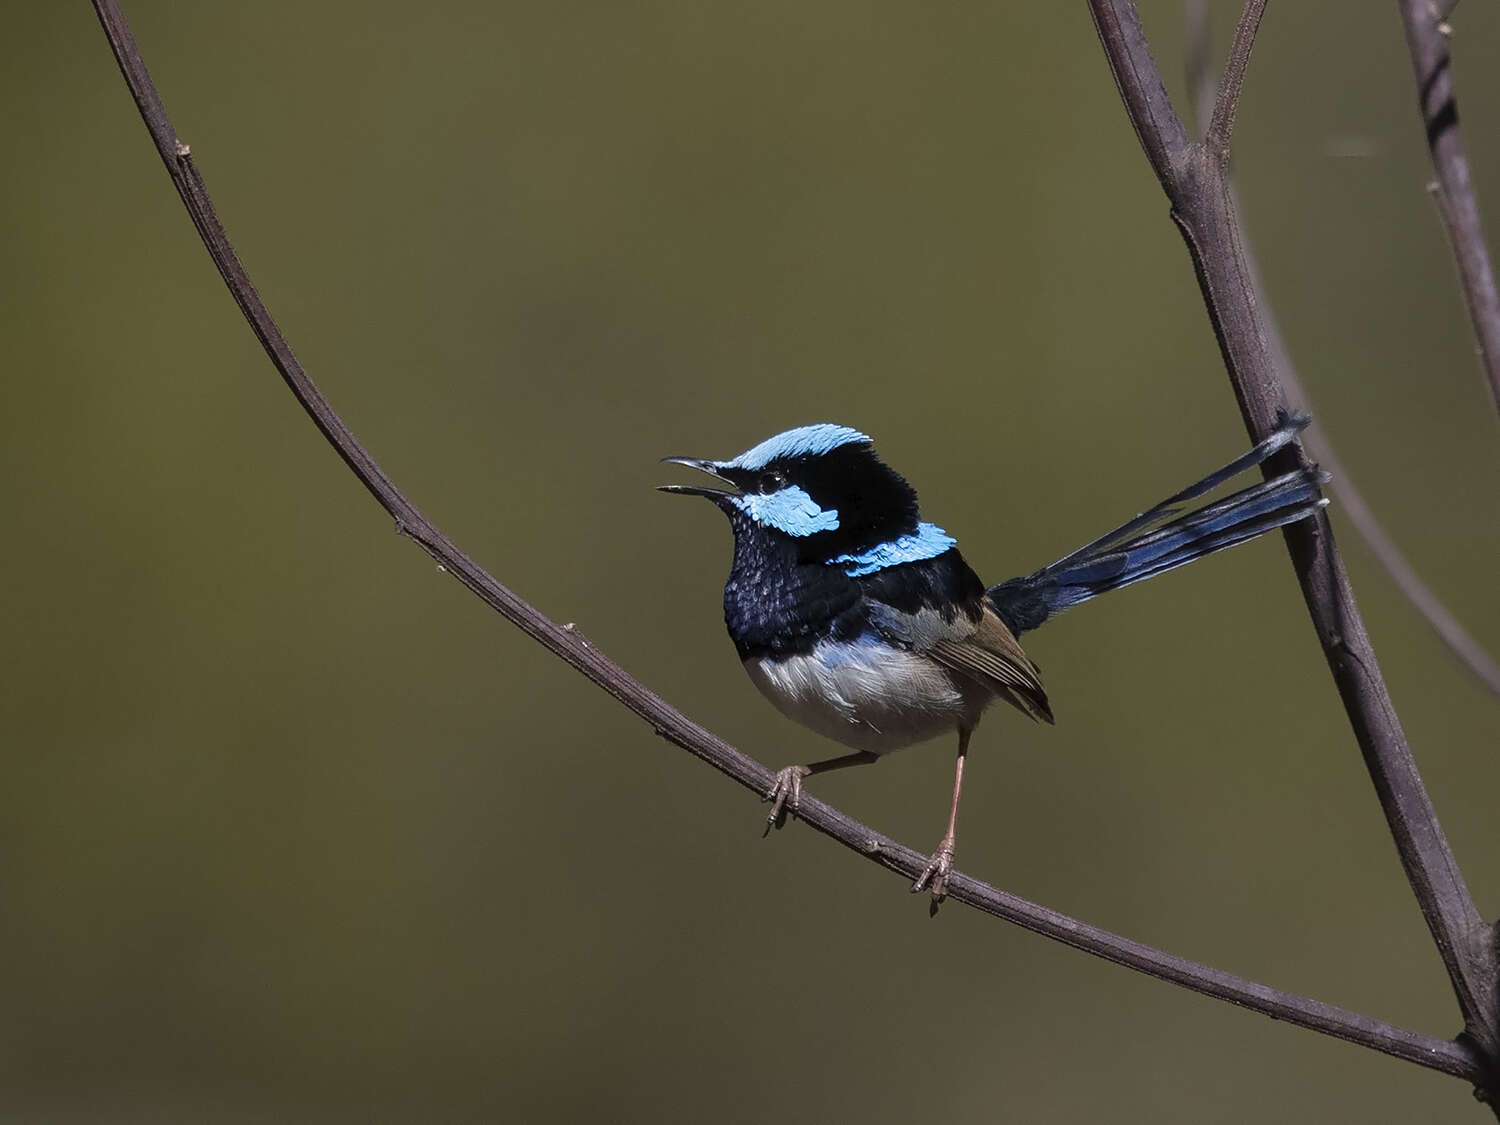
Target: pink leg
{"x":935,"y":875}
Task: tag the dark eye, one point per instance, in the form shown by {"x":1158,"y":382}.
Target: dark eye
{"x":770,"y":482}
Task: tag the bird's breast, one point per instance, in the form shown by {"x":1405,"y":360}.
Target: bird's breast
{"x":774,"y":607}
{"x":868,"y":694}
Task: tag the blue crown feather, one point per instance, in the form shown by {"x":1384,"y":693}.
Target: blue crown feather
{"x":804,"y":441}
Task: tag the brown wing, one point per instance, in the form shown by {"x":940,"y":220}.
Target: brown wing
{"x":992,"y":655}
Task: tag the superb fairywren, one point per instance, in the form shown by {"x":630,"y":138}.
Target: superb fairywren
{"x":863,"y":622}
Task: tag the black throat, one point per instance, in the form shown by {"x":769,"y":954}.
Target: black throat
{"x":778,"y":604}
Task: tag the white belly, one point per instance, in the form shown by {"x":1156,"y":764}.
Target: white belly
{"x":867,"y":696}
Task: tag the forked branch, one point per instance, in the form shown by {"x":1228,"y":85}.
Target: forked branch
{"x":1352,"y":504}
{"x":1197,"y":186}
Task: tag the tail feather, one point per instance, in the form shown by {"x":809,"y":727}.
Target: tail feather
{"x":1130,"y":554}
{"x":1293,"y":425}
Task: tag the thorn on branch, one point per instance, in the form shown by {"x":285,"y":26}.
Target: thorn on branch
{"x":1440,"y":14}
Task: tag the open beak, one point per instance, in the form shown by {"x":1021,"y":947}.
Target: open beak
{"x":710,"y":467}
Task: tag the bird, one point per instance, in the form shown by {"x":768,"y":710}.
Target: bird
{"x":863,"y":622}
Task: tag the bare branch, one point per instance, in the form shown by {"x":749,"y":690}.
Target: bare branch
{"x":565,"y":641}
{"x":1152,"y":115}
{"x":1427,"y":34}
{"x":1470,"y":653}
{"x":1221,"y":124}
{"x":1197,"y":185}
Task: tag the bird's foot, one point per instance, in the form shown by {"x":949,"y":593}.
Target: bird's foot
{"x":785,"y":795}
{"x":935,"y":875}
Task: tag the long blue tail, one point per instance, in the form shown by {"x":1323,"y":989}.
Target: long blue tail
{"x":1159,"y":540}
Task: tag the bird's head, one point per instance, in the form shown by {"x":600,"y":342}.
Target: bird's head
{"x":820,"y":487}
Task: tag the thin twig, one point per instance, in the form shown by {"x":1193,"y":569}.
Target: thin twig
{"x":1427,"y":37}
{"x":1232,"y":81}
{"x":1352,"y":504}
{"x":1197,"y":185}
{"x":1447,"y":1056}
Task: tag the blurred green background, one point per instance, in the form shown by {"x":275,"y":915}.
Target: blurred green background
{"x":293,"y":829}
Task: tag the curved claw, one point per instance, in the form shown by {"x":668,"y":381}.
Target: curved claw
{"x":935,"y":875}
{"x":785,"y":794}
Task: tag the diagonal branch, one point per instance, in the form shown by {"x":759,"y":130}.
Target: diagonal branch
{"x":1197,"y":186}
{"x":1352,"y":503}
{"x":1427,"y":37}
{"x":1232,"y":81}
{"x":1147,"y":103}
{"x":1446,"y":1056}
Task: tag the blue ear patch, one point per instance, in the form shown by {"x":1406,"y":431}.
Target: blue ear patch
{"x":788,"y":510}
{"x":927,"y":542}
{"x":804,"y":441}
